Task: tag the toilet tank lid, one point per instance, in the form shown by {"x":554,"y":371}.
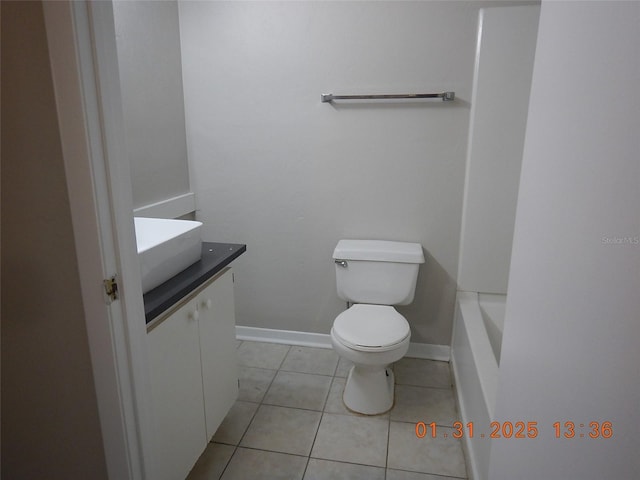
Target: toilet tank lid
{"x":379,"y":251}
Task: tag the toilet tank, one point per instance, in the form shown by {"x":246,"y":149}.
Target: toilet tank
{"x":377,"y":271}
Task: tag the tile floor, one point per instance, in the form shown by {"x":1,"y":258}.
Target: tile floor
{"x":290,"y":423}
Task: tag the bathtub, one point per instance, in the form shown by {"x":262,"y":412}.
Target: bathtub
{"x":475,"y":357}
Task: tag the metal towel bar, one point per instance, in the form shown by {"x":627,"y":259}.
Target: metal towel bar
{"x":445,"y":96}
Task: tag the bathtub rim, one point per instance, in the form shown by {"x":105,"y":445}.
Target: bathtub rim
{"x":483,"y":354}
{"x":475,"y":386}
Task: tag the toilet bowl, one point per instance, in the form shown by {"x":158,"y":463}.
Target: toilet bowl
{"x":373,"y":275}
{"x":371,"y":337}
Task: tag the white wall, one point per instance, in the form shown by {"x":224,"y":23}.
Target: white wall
{"x":502,"y":80}
{"x":570,"y":349}
{"x":276,"y":169}
{"x":148,"y":40}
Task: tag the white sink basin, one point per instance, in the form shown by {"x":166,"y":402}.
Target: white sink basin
{"x":165,"y":248}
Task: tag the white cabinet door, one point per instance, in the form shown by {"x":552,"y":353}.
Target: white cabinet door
{"x":218,"y":349}
{"x":176,"y":386}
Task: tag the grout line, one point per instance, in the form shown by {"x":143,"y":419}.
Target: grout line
{"x":424,"y":386}
{"x":386,"y":461}
{"x":335,"y":370}
{"x":285,"y":357}
{"x":326,"y":397}
{"x":235,"y":449}
{"x":248,"y":425}
{"x":352,"y":463}
{"x":315,"y":437}
{"x":306,"y":465}
{"x":303,"y":373}
{"x":291,"y":408}
{"x":438,"y":424}
{"x":273,"y":451}
{"x":268,"y":387}
{"x":307,"y":373}
{"x":313,"y":444}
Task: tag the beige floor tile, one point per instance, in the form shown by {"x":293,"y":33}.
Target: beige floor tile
{"x":254,"y":383}
{"x":354,"y":439}
{"x":404,"y":475}
{"x":422,"y":373}
{"x":212,"y":462}
{"x":439,"y":456}
{"x":247,"y":464}
{"x":326,"y":470}
{"x":261,"y":355}
{"x":298,"y":390}
{"x":423,"y":404}
{"x":334,"y":400}
{"x":281,"y":429}
{"x":321,"y":361}
{"x":276,"y":436}
{"x":235,"y":423}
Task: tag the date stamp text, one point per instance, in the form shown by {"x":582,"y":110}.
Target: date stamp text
{"x":517,"y":430}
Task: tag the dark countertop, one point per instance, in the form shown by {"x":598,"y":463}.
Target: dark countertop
{"x":215,"y":256}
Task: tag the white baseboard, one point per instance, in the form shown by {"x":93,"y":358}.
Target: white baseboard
{"x":322,"y":340}
{"x":288,"y":337}
{"x":170,"y":208}
{"x":429,"y":351}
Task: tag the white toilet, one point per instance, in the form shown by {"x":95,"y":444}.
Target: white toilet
{"x":373,"y":275}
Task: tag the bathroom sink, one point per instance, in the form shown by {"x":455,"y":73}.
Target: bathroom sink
{"x":165,"y":248}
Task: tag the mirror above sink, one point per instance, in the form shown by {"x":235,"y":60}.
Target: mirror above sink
{"x":165,"y":248}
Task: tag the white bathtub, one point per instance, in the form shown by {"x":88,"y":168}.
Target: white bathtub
{"x":475,"y":356}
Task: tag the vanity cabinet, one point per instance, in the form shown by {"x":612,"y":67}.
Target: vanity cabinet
{"x":218,"y":350}
{"x":193,"y":372}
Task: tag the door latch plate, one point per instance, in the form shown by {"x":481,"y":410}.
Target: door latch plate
{"x":111,"y":289}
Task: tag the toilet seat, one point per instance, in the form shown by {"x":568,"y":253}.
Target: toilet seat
{"x":371,"y":328}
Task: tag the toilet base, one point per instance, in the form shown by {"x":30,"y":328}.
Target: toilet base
{"x":369,"y":391}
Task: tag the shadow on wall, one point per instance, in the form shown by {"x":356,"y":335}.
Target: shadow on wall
{"x":429,"y":314}
{"x":377,"y":105}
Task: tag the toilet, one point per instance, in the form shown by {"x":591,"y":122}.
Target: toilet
{"x":372,"y":276}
